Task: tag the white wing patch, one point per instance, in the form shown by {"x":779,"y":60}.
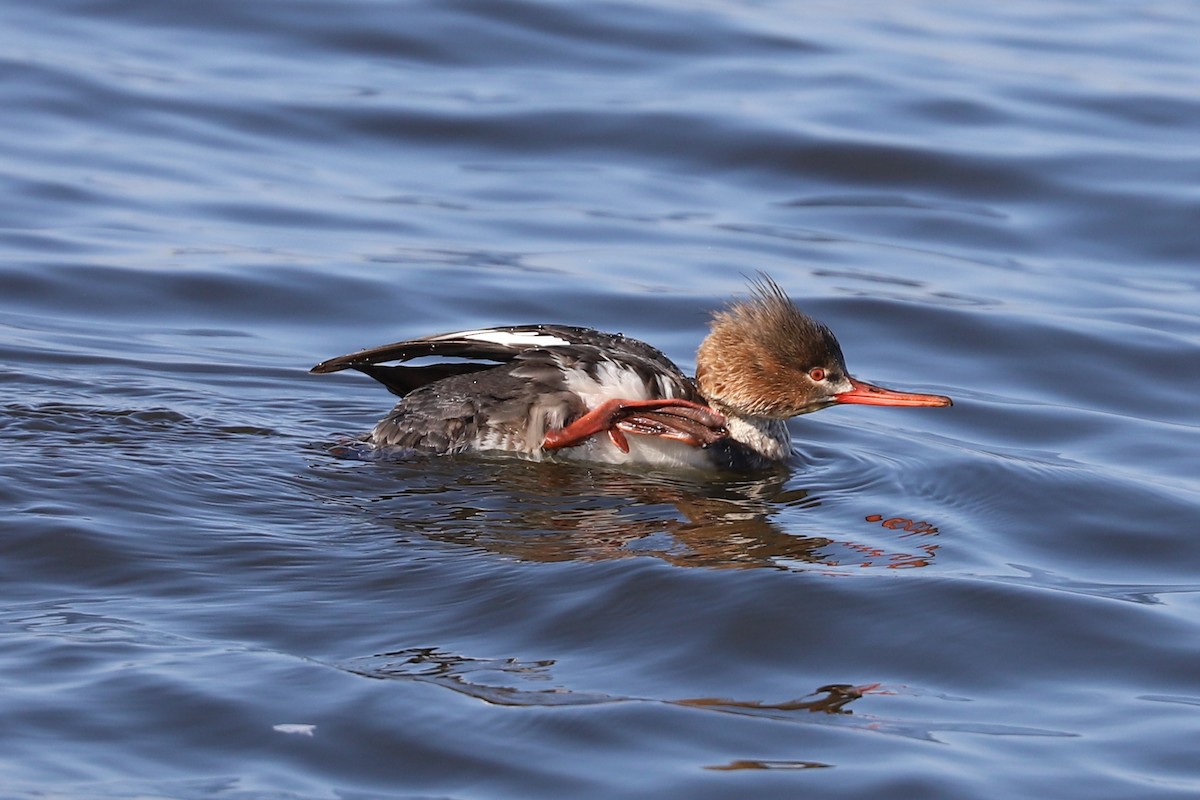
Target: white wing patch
{"x":511,"y":338}
{"x":614,"y":381}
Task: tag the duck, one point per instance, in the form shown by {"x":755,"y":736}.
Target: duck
{"x":566,"y":392}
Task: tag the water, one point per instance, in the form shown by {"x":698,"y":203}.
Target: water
{"x":202,"y":597}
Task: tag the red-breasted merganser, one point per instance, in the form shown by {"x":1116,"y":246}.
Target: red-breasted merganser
{"x":579,"y":393}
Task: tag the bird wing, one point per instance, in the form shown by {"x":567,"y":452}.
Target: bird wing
{"x":492,"y":344}
{"x":502,"y":344}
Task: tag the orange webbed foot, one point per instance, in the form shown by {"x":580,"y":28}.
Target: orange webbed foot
{"x":679,"y":420}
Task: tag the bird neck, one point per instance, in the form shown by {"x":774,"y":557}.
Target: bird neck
{"x":765,"y":436}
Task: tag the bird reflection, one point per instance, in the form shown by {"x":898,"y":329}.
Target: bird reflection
{"x":830,"y":699}
{"x":513,"y":682}
{"x":554,"y":512}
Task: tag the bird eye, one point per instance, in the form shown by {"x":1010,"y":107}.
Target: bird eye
{"x":817,"y":374}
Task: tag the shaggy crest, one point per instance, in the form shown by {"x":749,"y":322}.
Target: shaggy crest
{"x":760,"y":349}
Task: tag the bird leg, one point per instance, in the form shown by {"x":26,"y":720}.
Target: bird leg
{"x":668,"y":425}
{"x":680,"y":420}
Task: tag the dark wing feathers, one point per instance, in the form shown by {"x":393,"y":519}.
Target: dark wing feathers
{"x":493,"y":344}
{"x":402,"y":380}
{"x":417,"y":348}
{"x":503,"y":344}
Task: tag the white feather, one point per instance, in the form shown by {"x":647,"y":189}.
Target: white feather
{"x":510,"y":338}
{"x":648,"y":450}
{"x":614,"y":381}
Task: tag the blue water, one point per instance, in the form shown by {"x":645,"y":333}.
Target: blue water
{"x":203,"y":596}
